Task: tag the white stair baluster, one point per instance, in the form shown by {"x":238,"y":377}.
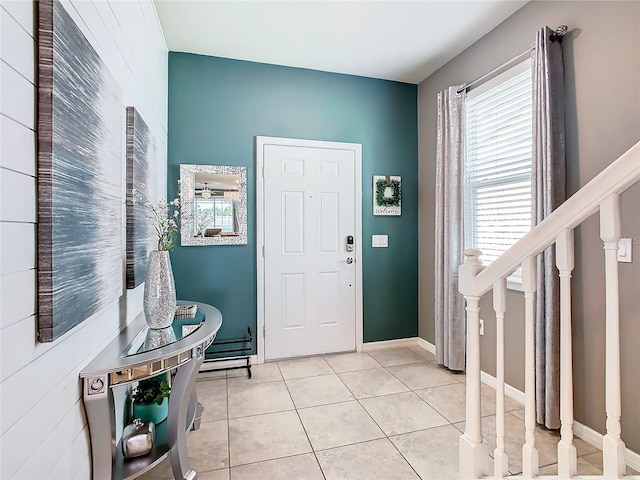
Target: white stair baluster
{"x":500,"y":459}
{"x":473,"y":451}
{"x":567,"y":456}
{"x":602,"y":193}
{"x":613,"y":447}
{"x":529,"y":451}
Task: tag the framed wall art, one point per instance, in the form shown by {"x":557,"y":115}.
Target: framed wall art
{"x":387,"y":195}
{"x":141,"y":161}
{"x":80,"y":172}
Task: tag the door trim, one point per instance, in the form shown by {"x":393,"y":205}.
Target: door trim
{"x":261,"y":142}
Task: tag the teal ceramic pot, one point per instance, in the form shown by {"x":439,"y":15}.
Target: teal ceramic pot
{"x":151,"y":412}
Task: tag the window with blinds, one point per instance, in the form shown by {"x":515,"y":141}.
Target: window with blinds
{"x":497,"y":172}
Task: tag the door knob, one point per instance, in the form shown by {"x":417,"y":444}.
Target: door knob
{"x":349,"y":260}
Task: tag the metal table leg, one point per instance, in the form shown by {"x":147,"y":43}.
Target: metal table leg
{"x":181,"y":389}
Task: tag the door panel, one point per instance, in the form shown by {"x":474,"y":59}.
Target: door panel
{"x":293,"y":300}
{"x":309,"y":210}
{"x":292,"y":223}
{"x":328,"y":223}
{"x":330,"y":288}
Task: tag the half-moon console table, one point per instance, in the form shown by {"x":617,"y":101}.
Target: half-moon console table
{"x":139,"y":353}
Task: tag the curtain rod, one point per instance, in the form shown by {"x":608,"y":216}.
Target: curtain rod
{"x":560,"y":32}
{"x":495,"y":71}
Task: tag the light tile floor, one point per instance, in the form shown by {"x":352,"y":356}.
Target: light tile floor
{"x":388,"y":414}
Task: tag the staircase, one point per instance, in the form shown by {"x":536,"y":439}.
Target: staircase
{"x":602,"y":194}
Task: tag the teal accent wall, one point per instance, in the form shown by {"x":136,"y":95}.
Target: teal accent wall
{"x":218,"y":106}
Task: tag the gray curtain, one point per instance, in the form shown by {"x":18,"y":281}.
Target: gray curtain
{"x":548,"y":188}
{"x":449,"y":303}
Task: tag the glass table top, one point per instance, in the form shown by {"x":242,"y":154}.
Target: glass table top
{"x":151,"y":339}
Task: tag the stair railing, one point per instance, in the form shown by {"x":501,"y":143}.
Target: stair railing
{"x":602,"y":194}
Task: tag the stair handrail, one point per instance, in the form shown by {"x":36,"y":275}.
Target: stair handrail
{"x":615,"y":179}
{"x":600,"y":195}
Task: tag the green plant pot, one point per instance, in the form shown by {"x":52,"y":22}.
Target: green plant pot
{"x":151,"y":412}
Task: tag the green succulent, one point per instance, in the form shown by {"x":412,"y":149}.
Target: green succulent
{"x":151,"y":390}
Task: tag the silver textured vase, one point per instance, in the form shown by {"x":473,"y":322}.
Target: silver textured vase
{"x":159,"y":291}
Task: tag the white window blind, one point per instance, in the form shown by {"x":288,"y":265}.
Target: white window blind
{"x":497,"y":173}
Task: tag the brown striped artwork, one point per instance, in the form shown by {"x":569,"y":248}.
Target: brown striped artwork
{"x":141,"y":160}
{"x":80,"y":177}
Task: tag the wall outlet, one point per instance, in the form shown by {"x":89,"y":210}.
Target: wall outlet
{"x":481,"y":327}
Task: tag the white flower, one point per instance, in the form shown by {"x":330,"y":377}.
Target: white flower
{"x":164,"y":216}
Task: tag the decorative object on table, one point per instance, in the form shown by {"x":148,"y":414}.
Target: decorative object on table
{"x":151,"y":399}
{"x":387,"y":195}
{"x":160,"y":337}
{"x":138,"y":438}
{"x":79,"y":176}
{"x":159,"y":300}
{"x":186,"y":311}
{"x":189,"y":329}
{"x":141,"y":161}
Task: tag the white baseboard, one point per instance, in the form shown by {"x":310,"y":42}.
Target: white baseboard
{"x":398,"y":343}
{"x":509,"y":391}
{"x":487,"y":379}
{"x":428,"y":346}
{"x":589,"y":435}
{"x":632,"y":459}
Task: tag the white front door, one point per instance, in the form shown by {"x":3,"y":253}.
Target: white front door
{"x":309,"y":206}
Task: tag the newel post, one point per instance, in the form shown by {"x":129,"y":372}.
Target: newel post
{"x":473,"y":451}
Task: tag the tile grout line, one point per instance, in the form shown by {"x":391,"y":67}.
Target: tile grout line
{"x":414,"y":392}
{"x":334,"y":372}
{"x":385,"y":433}
{"x":313,"y":450}
{"x":449,"y":423}
{"x":386,"y":436}
{"x":369,"y":415}
{"x":359,"y":400}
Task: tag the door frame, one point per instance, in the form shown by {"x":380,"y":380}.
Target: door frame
{"x":356,"y":148}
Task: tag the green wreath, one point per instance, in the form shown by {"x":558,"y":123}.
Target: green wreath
{"x":381,"y":200}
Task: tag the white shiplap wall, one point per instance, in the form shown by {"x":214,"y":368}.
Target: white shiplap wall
{"x":43,"y":431}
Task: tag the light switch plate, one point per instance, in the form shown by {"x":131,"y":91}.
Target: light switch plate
{"x":624,"y":250}
{"x":379,"y":241}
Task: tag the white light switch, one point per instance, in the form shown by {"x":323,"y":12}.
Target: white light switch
{"x":379,"y":241}
{"x":624,"y":250}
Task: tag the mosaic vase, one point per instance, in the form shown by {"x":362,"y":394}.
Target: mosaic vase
{"x":159,"y":291}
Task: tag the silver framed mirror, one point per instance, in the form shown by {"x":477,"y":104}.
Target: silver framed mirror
{"x":214,"y":200}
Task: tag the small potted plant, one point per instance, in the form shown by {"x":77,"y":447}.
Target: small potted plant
{"x":151,"y":399}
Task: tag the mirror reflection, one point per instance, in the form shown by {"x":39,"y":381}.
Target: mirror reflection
{"x":214,"y":198}
{"x":216,"y":202}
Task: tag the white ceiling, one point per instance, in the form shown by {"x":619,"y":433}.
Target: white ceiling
{"x":394,"y":40}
